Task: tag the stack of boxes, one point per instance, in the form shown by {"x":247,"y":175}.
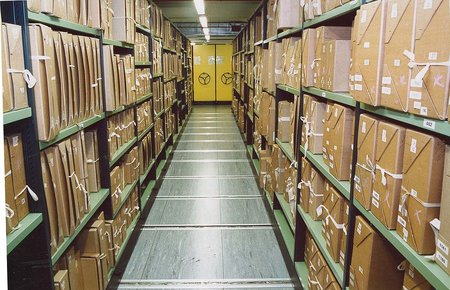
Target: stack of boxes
{"x":120,"y":130}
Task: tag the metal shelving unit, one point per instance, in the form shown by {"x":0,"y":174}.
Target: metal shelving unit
{"x":27,"y":225}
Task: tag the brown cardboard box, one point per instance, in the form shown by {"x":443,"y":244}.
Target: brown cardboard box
{"x":429,"y":88}
{"x":56,"y":233}
{"x":72,"y":201}
{"x":337,"y":65}
{"x":343,"y":245}
{"x":15,"y":88}
{"x":372,"y":258}
{"x":305,"y":185}
{"x":306,"y":120}
{"x":316,"y":189}
{"x":308,"y":48}
{"x":341,"y":126}
{"x":287,"y":14}
{"x":79,"y":194}
{"x":388,"y":177}
{"x":91,"y":265}
{"x":323,"y":34}
{"x":413,"y":280}
{"x":46,"y":99}
{"x":328,"y":281}
{"x":284,"y":121}
{"x":78,"y":153}
{"x":327,"y":133}
{"x":12,"y":219}
{"x":271,"y":123}
{"x":333,"y":218}
{"x":18,"y":175}
{"x":110,"y":239}
{"x":315,"y":134}
{"x":369,"y":52}
{"x":278,"y":163}
{"x":74,"y":268}
{"x":92,"y":158}
{"x":61,"y":280}
{"x":396,"y":72}
{"x":365,"y":167}
{"x":60,"y":79}
{"x":443,"y":242}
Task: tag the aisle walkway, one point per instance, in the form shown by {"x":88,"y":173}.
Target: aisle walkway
{"x":208,"y":227}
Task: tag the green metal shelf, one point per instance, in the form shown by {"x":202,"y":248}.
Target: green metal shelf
{"x":256,"y":150}
{"x":158,"y":75}
{"x":302,"y":272}
{"x":121,"y":151}
{"x":67,"y":132}
{"x":249,"y":150}
{"x":268,"y":197}
{"x":250,"y":52}
{"x":147,"y":171}
{"x":157,"y":115}
{"x":289,"y":89}
{"x":239,"y":52}
{"x":286,"y":232}
{"x":256,"y":164}
{"x":170,"y":79}
{"x":142,"y":28}
{"x":259,"y":42}
{"x":434,"y":126}
{"x":169,"y":49}
{"x":342,"y":98}
{"x":96,"y":200}
{"x":142,"y":63}
{"x":269,"y":92}
{"x":290,"y":31}
{"x":161,"y":165}
{"x":318,"y":161}
{"x":128,"y":189}
{"x":287,"y":149}
{"x":145,"y":132}
{"x":124,"y":244}
{"x":315,"y":228}
{"x":60,"y":23}
{"x":119,"y":109}
{"x":118,"y":43}
{"x":147,"y":192}
{"x":16,"y":115}
{"x":180,"y":79}
{"x":272,"y":38}
{"x":339,"y":11}
{"x":144,"y":98}
{"x":437,"y":277}
{"x":286,"y":210}
{"x":27,"y":226}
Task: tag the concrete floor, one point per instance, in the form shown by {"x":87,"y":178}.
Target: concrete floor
{"x":208,"y":226}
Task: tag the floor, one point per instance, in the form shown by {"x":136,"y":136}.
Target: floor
{"x":208,"y":226}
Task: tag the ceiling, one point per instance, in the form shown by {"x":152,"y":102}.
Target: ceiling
{"x":223,"y":16}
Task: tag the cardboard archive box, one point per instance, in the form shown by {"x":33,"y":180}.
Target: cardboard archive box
{"x":413,"y":280}
{"x":337,"y":65}
{"x":326,"y":141}
{"x":92,"y":159}
{"x":339,"y":151}
{"x":12,"y":219}
{"x":93,"y":266}
{"x":316,"y":193}
{"x":388,"y":173}
{"x":305,"y":185}
{"x":13,"y":69}
{"x":374,"y":261}
{"x":443,"y":241}
{"x":61,"y":280}
{"x":287,"y":14}
{"x":284,"y":121}
{"x":369,"y":52}
{"x":277,"y":169}
{"x":430,"y":79}
{"x":365,"y":165}
{"x":423,"y":164}
{"x":396,"y":72}
{"x":313,"y":125}
{"x":308,"y":50}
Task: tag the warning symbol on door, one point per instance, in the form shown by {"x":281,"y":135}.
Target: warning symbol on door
{"x":204,"y":79}
{"x":226,"y":78}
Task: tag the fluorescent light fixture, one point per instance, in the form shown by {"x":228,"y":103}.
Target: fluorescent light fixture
{"x":206,"y":30}
{"x":203,"y":21}
{"x":200,"y":6}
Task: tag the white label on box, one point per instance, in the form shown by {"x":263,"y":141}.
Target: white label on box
{"x":413,"y":147}
{"x":416,"y":83}
{"x":284,"y":119}
{"x":357,"y":187}
{"x":363,"y":127}
{"x":413,"y":192}
{"x":397,"y":62}
{"x":376,"y":195}
{"x":432,"y":55}
{"x":383,"y":135}
{"x":401,"y":221}
{"x":360,"y":269}
{"x":357,"y":179}
{"x":336,"y":111}
{"x":375,"y":203}
{"x":428,"y":4}
{"x":358,"y":87}
{"x":429,"y":124}
{"x":386,"y":90}
{"x":358,"y":78}
{"x":417,"y":105}
{"x":359,"y":228}
{"x":364,"y":16}
{"x":331,"y":157}
{"x":424,"y":111}
{"x":366,"y":62}
{"x":331,"y":165}
{"x":415,"y":95}
{"x":394,"y":11}
{"x":367,"y":44}
{"x":411,"y":272}
{"x":442,"y":247}
{"x":335,"y":147}
{"x":386,"y":80}
{"x":442,"y":259}
{"x":15,"y":141}
{"x":405,"y":235}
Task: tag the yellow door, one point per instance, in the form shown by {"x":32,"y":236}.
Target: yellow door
{"x":204,"y":73}
{"x":224,"y":73}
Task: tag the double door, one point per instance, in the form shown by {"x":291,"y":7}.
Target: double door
{"x":213,"y":79}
